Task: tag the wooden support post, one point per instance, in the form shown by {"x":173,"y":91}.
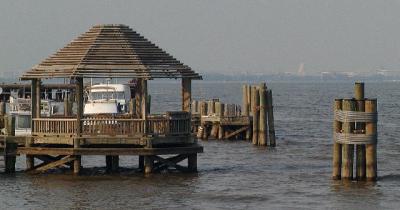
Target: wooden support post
{"x":67,"y":108}
{"x":132,"y":107}
{"x":203,"y":108}
{"x":35,"y":110}
{"x":249,"y":99}
{"x":221,"y":127}
{"x":108,"y":163}
{"x":245,"y":101}
{"x":144,"y":99}
{"x":148,"y":164}
{"x":148,"y":104}
{"x":210,"y":110}
{"x":112,"y":163}
{"x":371,"y":129}
{"x":256,"y":114}
{"x":195,"y":107}
{"x":10,"y":147}
{"x":348,"y":149}
{"x":141,"y":162}
{"x":262,"y":130}
{"x":214,"y":130}
{"x":79,"y":116}
{"x":360,"y":127}
{"x":192,"y":162}
{"x":138,"y":99}
{"x":77,"y":158}
{"x":337,"y":148}
{"x":38,"y":98}
{"x":271,"y":124}
{"x":186,"y":94}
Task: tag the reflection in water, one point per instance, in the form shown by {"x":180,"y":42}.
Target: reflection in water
{"x":235,"y":174}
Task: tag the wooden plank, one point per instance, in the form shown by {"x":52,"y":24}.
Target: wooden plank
{"x":244,"y":128}
{"x":109,"y":151}
{"x":54,"y":164}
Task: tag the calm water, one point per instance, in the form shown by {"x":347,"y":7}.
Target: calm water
{"x":235,"y":174}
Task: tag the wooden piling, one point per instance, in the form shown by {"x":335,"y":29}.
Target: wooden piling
{"x":256,"y":113}
{"x":347,"y":149}
{"x":214,"y":130}
{"x":271,"y":124}
{"x":141,"y":162}
{"x":192,"y":162}
{"x":249,"y":99}
{"x":78,"y":160}
{"x":148,"y":164}
{"x":360,"y":127}
{"x":245,"y":101}
{"x":337,"y":148}
{"x":262,"y":130}
{"x":132,"y":107}
{"x":371,"y":129}
{"x":10,"y":147}
{"x":203,"y":108}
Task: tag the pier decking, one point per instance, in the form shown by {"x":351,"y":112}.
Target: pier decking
{"x":110,"y":51}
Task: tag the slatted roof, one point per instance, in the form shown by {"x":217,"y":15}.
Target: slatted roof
{"x":114,"y":51}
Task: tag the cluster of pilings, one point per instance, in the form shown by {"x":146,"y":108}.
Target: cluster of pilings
{"x":209,"y":119}
{"x":355,"y":137}
{"x":253,"y":121}
{"x":258,"y":105}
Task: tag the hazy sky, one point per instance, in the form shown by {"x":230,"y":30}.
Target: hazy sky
{"x":217,"y":35}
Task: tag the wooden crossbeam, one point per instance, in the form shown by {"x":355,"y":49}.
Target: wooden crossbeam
{"x":164,"y":163}
{"x":244,"y":128}
{"x":48,"y":159}
{"x":54,"y":164}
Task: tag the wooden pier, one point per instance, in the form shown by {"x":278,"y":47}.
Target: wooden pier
{"x":110,"y":51}
{"x":253,"y":121}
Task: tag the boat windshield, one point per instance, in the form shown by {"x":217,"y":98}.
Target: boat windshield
{"x":107,"y":95}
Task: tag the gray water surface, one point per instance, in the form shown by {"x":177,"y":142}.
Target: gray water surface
{"x":234,"y":174}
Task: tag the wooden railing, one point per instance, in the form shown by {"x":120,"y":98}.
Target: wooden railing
{"x":54,"y":126}
{"x":173,"y":123}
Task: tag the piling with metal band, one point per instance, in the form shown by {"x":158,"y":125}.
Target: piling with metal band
{"x":347,"y":149}
{"x":337,"y":147}
{"x":371,"y":129}
{"x":355,"y":124}
{"x":360,"y":129}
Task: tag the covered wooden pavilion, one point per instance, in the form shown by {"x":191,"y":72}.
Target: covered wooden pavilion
{"x":111,"y":51}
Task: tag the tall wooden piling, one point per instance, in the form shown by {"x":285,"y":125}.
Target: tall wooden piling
{"x":10,"y":147}
{"x":203,"y":108}
{"x":360,"y":127}
{"x":337,"y":148}
{"x":245,"y":101}
{"x":256,"y":114}
{"x":262,"y":133}
{"x":347,"y":149}
{"x":371,"y":129}
{"x":271,"y":124}
{"x":77,"y":141}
